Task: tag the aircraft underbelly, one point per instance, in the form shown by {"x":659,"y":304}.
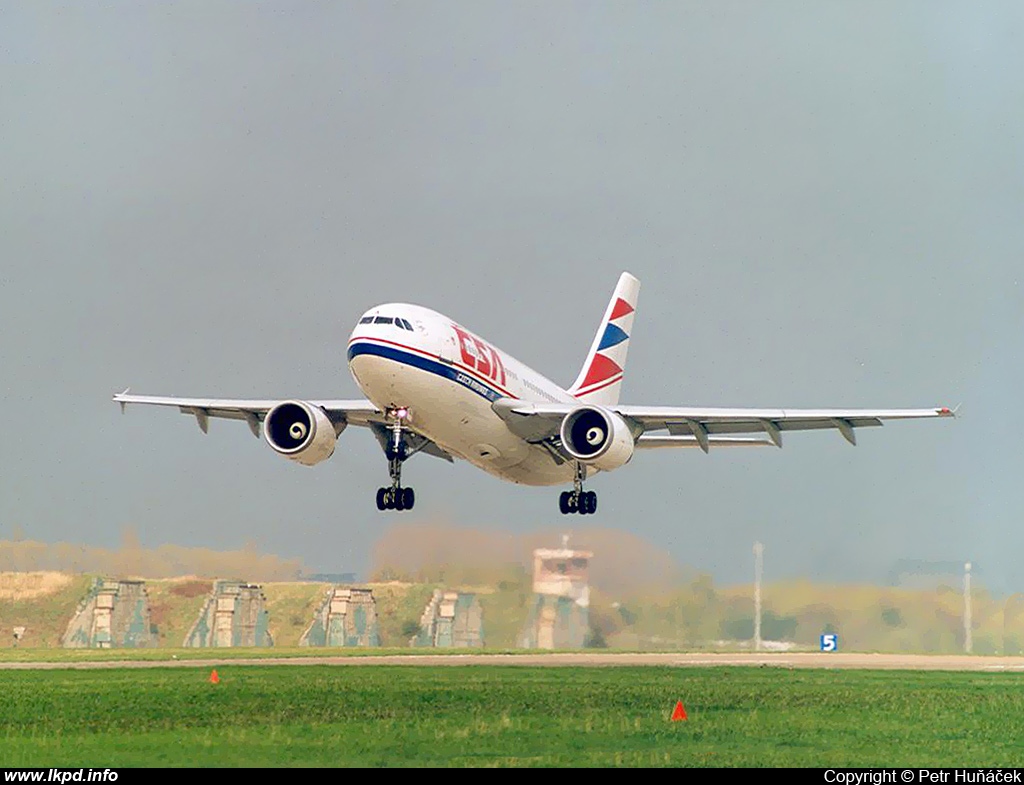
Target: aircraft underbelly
{"x":457,"y":419}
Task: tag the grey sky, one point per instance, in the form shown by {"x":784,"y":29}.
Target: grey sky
{"x":823,"y":202}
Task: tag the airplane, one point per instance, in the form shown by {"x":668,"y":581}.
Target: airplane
{"x":435,"y":387}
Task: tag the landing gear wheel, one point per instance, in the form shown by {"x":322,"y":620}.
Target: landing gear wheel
{"x":583,"y":503}
{"x":578,"y":500}
{"x":382,"y":498}
{"x":399,"y":498}
{"x":408,"y":497}
{"x":563,"y":502}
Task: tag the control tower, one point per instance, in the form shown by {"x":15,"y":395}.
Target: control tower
{"x":559,"y":616}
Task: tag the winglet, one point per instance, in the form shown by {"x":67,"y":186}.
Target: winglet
{"x":116,"y":396}
{"x":945,"y":411}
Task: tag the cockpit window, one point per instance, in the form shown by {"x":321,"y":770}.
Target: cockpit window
{"x":398,"y":321}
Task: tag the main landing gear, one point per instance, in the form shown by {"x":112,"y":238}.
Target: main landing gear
{"x":396,"y":497}
{"x":578,"y":500}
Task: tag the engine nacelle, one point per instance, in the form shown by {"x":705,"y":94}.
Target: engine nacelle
{"x":300,"y":431}
{"x":597,"y":437}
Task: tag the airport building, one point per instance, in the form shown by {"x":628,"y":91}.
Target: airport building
{"x":559,"y":616}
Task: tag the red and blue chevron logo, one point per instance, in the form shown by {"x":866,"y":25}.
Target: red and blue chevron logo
{"x":603,"y":367}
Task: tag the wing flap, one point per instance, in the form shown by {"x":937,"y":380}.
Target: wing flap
{"x":538,"y":421}
{"x":651,"y":441}
{"x":531,"y":422}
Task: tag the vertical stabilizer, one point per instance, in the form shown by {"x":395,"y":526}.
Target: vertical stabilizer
{"x":600,"y":379}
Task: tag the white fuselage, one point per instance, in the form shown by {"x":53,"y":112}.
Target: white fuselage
{"x":447,"y":378}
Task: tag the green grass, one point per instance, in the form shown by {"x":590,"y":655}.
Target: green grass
{"x":290,"y":607}
{"x":509,"y":716}
{"x":397,"y":605}
{"x":45,"y":618}
{"x":174,"y":606}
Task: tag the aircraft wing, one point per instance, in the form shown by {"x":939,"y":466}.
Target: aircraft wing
{"x":689,"y":426}
{"x":341,"y":413}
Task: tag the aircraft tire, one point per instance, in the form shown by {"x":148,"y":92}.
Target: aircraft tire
{"x":563,"y":502}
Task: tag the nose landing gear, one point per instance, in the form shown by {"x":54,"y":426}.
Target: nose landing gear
{"x":396,"y":497}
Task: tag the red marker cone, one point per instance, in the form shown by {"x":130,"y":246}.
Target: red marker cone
{"x":679,"y":713}
{"x":214,"y":678}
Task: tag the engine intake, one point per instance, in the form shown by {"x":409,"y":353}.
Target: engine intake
{"x":597,"y":437}
{"x":300,"y":431}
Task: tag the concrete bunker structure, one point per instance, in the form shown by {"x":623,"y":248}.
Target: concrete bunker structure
{"x":346,"y":617}
{"x":233,"y":615}
{"x":113,"y":615}
{"x":451,"y":620}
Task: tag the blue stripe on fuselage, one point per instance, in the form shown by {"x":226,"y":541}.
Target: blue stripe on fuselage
{"x":424,"y":364}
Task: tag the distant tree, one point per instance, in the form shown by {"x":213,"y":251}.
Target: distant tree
{"x":778,"y":628}
{"x":741,"y":629}
{"x":595,"y":639}
{"x":892,"y":617}
{"x":410,"y":629}
{"x":773,"y":627}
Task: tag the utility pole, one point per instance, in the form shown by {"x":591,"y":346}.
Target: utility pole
{"x":967,"y":608}
{"x":758,"y":565}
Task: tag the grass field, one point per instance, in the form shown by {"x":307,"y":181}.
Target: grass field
{"x":509,"y":716}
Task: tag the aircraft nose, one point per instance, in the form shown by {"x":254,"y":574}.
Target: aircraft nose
{"x":356,"y":328}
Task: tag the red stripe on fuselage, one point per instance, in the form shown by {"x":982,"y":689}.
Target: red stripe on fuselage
{"x":608,"y":383}
{"x":471,"y":371}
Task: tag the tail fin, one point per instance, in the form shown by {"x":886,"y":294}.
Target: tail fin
{"x":600,"y":379}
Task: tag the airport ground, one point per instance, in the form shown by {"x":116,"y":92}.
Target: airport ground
{"x":421,"y":715}
{"x":394,"y":706}
{"x":42,"y":659}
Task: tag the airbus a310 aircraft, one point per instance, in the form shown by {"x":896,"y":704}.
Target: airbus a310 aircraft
{"x":433,"y":386}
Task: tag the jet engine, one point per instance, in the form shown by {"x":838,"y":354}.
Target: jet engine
{"x":300,"y":431}
{"x":597,"y":437}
